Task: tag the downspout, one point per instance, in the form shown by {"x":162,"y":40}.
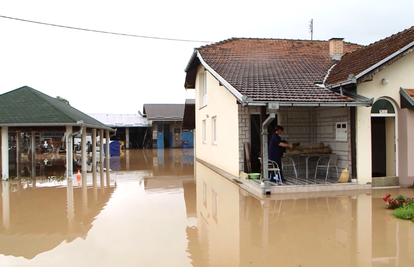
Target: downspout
{"x":265,"y":182}
{"x":69,"y":149}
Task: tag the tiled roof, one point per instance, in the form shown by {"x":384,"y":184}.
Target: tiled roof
{"x":410,"y":92}
{"x":29,"y":107}
{"x":164,"y":112}
{"x":362,"y":59}
{"x":122,"y":120}
{"x":275,"y":69}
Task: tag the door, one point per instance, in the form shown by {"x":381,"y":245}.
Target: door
{"x":383,"y":139}
{"x":160,"y":135}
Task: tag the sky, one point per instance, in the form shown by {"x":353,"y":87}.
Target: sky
{"x":107,"y":73}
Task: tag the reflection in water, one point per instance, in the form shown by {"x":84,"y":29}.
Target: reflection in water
{"x":347,"y":229}
{"x":37,"y":219}
{"x":159,"y":215}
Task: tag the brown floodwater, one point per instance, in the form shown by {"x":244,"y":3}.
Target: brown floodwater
{"x":159,"y":209}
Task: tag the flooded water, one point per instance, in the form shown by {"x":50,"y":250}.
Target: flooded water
{"x":160,"y":209}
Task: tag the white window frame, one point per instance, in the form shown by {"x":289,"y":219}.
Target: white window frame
{"x":341,"y":132}
{"x":202,"y":77}
{"x":214,"y":129}
{"x":204,"y":131}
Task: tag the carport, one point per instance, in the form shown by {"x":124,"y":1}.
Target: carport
{"x":28,"y":115}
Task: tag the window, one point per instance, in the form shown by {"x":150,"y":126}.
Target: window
{"x":202,"y":82}
{"x":214,"y":130}
{"x":204,"y":132}
{"x":341,"y":131}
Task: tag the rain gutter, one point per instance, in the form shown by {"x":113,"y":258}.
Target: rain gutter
{"x":364,"y":103}
{"x":226,"y":84}
{"x":373,"y":67}
{"x":28,"y":124}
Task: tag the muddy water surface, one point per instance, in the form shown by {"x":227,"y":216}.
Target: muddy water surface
{"x":161,"y":210}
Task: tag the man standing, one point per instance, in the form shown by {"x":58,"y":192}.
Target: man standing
{"x":276,"y":149}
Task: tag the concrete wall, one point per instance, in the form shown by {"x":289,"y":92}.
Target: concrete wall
{"x":222,"y":105}
{"x":399,"y":74}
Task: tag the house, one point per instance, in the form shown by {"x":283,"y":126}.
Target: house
{"x":320,"y":91}
{"x":384,"y":143}
{"x":167,"y":125}
{"x":133,"y":129}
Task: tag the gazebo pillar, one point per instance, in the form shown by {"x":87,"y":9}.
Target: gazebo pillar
{"x":34,"y":156}
{"x":107,"y":157}
{"x":94,"y":158}
{"x":18,"y":153}
{"x":5,"y":152}
{"x":69,"y":153}
{"x":127,"y":137}
{"x":83,"y":158}
{"x":101,"y":158}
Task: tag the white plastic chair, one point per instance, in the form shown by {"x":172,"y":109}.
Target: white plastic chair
{"x":289,"y":162}
{"x":327,"y":162}
{"x":272,"y":166}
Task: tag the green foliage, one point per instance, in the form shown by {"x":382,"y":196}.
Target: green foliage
{"x":406,"y":212}
{"x":63,"y":100}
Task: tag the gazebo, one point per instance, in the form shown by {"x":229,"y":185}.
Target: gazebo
{"x":27,"y":112}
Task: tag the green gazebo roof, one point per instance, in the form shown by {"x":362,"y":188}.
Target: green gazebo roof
{"x":25,"y":107}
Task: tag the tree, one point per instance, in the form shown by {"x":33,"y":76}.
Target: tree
{"x":63,"y":100}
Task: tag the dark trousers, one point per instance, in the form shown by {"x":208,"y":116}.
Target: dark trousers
{"x":279,"y":163}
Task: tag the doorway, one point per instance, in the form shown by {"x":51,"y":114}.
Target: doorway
{"x":255,"y":139}
{"x":383,"y":139}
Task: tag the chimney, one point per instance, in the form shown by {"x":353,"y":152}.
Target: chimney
{"x":336,"y":48}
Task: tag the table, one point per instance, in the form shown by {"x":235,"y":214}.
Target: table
{"x":307,"y":156}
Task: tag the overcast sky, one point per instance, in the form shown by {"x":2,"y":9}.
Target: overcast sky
{"x":102,"y":73}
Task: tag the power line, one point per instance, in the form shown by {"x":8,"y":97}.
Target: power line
{"x":105,"y":32}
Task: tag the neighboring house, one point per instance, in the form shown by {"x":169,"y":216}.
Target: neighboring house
{"x":240,"y":82}
{"x":384,"y":133}
{"x":167,"y":121}
{"x":133,"y":129}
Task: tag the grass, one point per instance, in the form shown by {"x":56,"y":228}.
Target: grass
{"x":406,"y":212}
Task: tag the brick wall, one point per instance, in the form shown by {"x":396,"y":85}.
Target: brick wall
{"x":306,"y":125}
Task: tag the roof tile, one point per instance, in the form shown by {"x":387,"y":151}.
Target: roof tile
{"x":275,"y":69}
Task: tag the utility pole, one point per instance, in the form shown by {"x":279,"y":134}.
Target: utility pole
{"x":311,"y":28}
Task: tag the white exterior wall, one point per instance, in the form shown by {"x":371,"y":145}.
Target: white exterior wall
{"x":399,"y":74}
{"x":222,"y":105}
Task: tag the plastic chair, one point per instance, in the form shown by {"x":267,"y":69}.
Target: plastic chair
{"x":327,"y":162}
{"x":289,"y":162}
{"x":272,"y":166}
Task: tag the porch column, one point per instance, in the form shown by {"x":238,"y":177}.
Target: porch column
{"x":5,"y":152}
{"x":6,"y":204}
{"x":363,"y":145}
{"x":69,"y":153}
{"x":94,"y":158}
{"x":107,"y":162}
{"x":101,"y":158}
{"x":18,"y":154}
{"x":34,"y":156}
{"x":83,"y":158}
{"x":364,"y":230}
{"x":127,"y":137}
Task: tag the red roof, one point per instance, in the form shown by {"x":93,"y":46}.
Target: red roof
{"x":273,"y":69}
{"x":366,"y":57}
{"x":410,"y":92}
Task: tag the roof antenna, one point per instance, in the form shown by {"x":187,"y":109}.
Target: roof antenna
{"x":311,"y":28}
